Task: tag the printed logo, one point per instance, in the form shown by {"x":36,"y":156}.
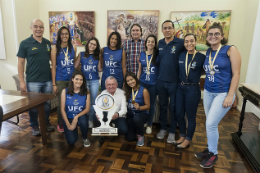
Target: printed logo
{"x":105,"y":53}
{"x":76,"y":102}
{"x":111,"y":58}
{"x":181,"y":62}
{"x":48,"y":47}
{"x":173,"y":49}
{"x":34,"y":48}
{"x":160,"y":48}
{"x":90,"y":61}
{"x":193,"y":65}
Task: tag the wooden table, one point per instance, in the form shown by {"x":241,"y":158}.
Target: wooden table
{"x":29,"y":100}
{"x":248,"y":143}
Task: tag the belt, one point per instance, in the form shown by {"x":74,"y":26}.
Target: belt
{"x":194,"y":84}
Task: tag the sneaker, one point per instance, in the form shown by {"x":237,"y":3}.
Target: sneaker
{"x":209,"y":161}
{"x":145,"y":125}
{"x":148,"y":130}
{"x":161,"y":134}
{"x":49,"y":127}
{"x":140,"y":141}
{"x":171,"y":138}
{"x":202,"y":154}
{"x":60,"y":127}
{"x":86,"y":142}
{"x":36,"y":131}
{"x":90,"y":124}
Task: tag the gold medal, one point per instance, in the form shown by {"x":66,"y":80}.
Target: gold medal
{"x":133,"y":96}
{"x":187,"y":69}
{"x":66,"y":54}
{"x":211,"y":63}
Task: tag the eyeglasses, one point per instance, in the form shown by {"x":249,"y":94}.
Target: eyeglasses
{"x":92,"y":44}
{"x":165,"y":28}
{"x":216,"y":34}
{"x":64,"y":34}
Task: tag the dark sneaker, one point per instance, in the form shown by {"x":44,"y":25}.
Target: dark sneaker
{"x":49,"y":127}
{"x":36,"y":131}
{"x":60,"y":127}
{"x":209,"y":161}
{"x":202,"y":154}
{"x":86,"y":142}
{"x":140,"y":141}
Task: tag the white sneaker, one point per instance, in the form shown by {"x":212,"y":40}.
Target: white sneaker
{"x":90,"y":124}
{"x":148,"y":130}
{"x":171,"y":138}
{"x":161,"y":134}
{"x":145,"y":125}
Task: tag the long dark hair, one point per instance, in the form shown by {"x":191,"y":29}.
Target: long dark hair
{"x":96,"y":51}
{"x":83,"y":89}
{"x":155,"y":49}
{"x":128,"y":89}
{"x":118,"y":37}
{"x":218,"y":26}
{"x":58,"y":44}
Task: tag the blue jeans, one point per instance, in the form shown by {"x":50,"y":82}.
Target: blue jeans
{"x":214,"y":110}
{"x":120,"y":84}
{"x":72,"y":135}
{"x":164,"y":91}
{"x":187,"y":101}
{"x":93,"y":87}
{"x":152,"y":91}
{"x":135,"y":125}
{"x":39,"y":87}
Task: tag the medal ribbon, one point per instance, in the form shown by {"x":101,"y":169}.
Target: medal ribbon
{"x":134,"y":95}
{"x":148,"y":62}
{"x":66,"y":54}
{"x":211,"y":63}
{"x":187,"y":69}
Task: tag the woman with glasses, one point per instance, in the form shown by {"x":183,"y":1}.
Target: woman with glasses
{"x":63,"y":55}
{"x":90,"y":66}
{"x":222,"y":67}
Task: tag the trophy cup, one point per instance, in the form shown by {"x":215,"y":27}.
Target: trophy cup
{"x":105,"y":103}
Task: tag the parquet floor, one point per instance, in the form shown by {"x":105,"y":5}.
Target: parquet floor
{"x":22,"y":152}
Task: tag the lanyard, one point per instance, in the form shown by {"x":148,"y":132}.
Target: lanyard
{"x":134,"y":95}
{"x":148,"y":63}
{"x":211,"y":63}
{"x":66,"y":54}
{"x":187,"y":69}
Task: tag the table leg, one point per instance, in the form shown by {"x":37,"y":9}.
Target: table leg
{"x":41,"y":114}
{"x":242,"y":116}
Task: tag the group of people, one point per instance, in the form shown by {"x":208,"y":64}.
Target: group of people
{"x":134,"y":74}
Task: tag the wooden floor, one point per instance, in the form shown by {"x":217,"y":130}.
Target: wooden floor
{"x":22,"y":152}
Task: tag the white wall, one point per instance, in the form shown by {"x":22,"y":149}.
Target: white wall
{"x":243,"y":18}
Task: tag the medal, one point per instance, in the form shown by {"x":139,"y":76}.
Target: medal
{"x":133,"y":96}
{"x":148,"y":64}
{"x":211,"y":63}
{"x":212,"y":72}
{"x":66,"y":54}
{"x":187,"y":69}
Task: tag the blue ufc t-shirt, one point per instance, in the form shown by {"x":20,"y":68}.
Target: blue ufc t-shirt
{"x":89,"y":67}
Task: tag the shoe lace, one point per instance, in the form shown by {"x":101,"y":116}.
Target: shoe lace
{"x":209,"y":156}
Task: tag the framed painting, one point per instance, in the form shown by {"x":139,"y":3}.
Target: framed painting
{"x":198,"y":23}
{"x":80,"y":23}
{"x":122,"y":20}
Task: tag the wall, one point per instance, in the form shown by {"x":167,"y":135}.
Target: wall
{"x":241,"y":30}
{"x":25,"y":11}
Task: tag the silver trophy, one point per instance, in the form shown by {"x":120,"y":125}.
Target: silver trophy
{"x":105,"y":103}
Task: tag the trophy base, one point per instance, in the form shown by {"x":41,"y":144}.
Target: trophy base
{"x":104,"y":132}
